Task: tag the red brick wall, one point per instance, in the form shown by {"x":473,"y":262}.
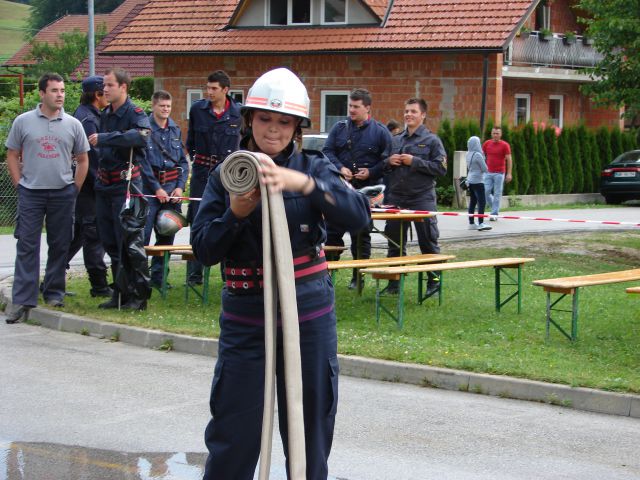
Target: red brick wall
{"x":563,"y":17}
{"x":450,"y":83}
{"x":576,"y":106}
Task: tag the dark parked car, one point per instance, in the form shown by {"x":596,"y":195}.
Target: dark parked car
{"x":314,"y":141}
{"x":620,"y":180}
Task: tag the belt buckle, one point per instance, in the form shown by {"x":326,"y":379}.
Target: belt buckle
{"x":161,"y":176}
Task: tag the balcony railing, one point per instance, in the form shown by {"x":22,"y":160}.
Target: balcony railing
{"x":551,"y":53}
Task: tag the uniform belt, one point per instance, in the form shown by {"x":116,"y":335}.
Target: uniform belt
{"x":109,"y":177}
{"x":245,"y":278}
{"x":168,"y":175}
{"x":206,"y":160}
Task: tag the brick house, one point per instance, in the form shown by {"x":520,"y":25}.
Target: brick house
{"x":468,"y":59}
{"x":138,"y":66}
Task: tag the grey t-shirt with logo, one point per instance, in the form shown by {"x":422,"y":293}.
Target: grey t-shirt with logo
{"x":47,"y":147}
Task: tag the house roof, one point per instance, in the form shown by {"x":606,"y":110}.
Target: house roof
{"x":202,"y":26}
{"x":114,"y":21}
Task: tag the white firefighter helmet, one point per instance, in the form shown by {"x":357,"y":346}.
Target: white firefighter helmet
{"x":169,"y":222}
{"x":375,"y":194}
{"x":280,"y":91}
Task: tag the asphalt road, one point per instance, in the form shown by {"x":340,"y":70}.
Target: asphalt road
{"x":77,"y":407}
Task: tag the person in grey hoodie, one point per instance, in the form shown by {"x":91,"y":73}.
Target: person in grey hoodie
{"x":476,"y":168}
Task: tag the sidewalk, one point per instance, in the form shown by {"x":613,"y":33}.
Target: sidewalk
{"x":452,"y":229}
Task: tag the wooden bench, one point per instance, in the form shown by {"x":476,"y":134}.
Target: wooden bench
{"x":335,"y":265}
{"x":570,"y":286}
{"x":186,"y":253}
{"x":633,"y":290}
{"x":399,"y":273}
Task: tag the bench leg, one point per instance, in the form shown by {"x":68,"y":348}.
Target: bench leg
{"x":166,"y":257}
{"x":421,"y":280}
{"x":397,"y":315}
{"x":205,"y":286}
{"x":517,"y":282}
{"x":574,"y":315}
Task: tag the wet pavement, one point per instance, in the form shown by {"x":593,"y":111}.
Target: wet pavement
{"x":77,"y":407}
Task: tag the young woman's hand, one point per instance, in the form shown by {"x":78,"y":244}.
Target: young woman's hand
{"x":243,"y":205}
{"x":278,"y":179}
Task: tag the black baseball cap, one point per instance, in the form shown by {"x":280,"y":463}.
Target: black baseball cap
{"x":94,"y":83}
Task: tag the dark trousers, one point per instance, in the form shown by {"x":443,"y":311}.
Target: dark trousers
{"x":477,"y":196}
{"x":358,"y":250}
{"x":199,"y":177}
{"x":427,"y":230}
{"x":55,"y":208}
{"x":154,"y":207}
{"x":109,"y":203}
{"x":233,"y":434}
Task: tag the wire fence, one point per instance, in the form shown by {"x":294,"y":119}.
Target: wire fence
{"x":8,"y":198}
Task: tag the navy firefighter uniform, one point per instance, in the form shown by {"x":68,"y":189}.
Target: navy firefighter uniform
{"x":210,"y":139}
{"x":170,"y":169}
{"x":355,"y":147}
{"x":121,"y":133}
{"x":85,"y":230}
{"x":414,"y":186}
{"x":236,"y":402}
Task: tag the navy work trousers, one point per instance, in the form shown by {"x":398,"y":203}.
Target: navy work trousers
{"x":199,"y":178}
{"x":55,"y":208}
{"x":237,"y":394}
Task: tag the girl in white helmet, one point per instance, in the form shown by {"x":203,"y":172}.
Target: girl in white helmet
{"x":228,"y":230}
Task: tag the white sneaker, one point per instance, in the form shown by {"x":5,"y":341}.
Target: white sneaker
{"x":483,"y":227}
{"x":473,"y":226}
{"x":493,"y":218}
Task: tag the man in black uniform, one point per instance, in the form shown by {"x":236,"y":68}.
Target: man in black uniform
{"x":124,"y":129}
{"x":357,"y":147}
{"x":214,"y":133}
{"x":417,"y":158}
{"x":85,"y":230}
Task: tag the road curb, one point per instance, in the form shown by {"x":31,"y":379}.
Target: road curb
{"x":587,"y":399}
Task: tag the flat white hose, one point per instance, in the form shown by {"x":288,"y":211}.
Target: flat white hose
{"x":239,"y":174}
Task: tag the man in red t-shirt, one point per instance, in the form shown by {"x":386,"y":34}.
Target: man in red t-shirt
{"x":498,"y":155}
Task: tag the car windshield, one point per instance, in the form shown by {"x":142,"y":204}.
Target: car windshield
{"x":629,"y":157}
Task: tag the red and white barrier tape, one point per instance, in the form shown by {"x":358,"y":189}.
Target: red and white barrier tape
{"x":506,"y":217}
{"x":454,"y":214}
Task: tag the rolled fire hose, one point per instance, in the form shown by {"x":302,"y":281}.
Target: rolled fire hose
{"x":239,"y":174}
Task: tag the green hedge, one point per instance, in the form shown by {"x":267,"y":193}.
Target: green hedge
{"x":545,"y":162}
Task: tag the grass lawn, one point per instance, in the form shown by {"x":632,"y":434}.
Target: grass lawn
{"x":466,"y":332}
{"x":13,"y":21}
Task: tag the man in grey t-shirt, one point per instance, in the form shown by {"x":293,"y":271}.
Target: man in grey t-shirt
{"x":42,"y":145}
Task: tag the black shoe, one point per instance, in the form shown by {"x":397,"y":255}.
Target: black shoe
{"x":392,"y":288}
{"x":354,"y":284}
{"x":102,"y":292}
{"x":433,"y":288}
{"x":111,"y":303}
{"x":194,"y":281}
{"x":17,"y":313}
{"x":54,"y":302}
{"x":135,"y":304}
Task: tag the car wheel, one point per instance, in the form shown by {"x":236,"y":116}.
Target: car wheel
{"x":612,"y":199}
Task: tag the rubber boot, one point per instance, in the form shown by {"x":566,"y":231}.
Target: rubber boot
{"x":135,"y":303}
{"x":113,"y":302}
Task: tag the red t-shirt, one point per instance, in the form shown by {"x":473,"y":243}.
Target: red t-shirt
{"x":496,"y":153}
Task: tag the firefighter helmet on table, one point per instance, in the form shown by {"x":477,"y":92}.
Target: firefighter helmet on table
{"x":169,"y":222}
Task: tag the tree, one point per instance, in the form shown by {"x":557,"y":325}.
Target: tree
{"x":44,"y":12}
{"x":448,"y":141}
{"x":586,"y":159}
{"x":565,"y":161}
{"x":553,"y":156}
{"x":616,"y":143}
{"x":64,"y":56}
{"x":614,"y":26}
{"x":518,"y":156}
{"x":546,"y":183}
{"x":603,"y":137}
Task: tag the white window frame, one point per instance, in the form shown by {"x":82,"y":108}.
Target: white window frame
{"x":346,"y":14}
{"x":561,"y":98}
{"x":323,"y":109}
{"x":191,"y":92}
{"x":289,"y":14}
{"x":522,"y":96}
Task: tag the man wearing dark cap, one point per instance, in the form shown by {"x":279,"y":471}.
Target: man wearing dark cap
{"x":85,"y":230}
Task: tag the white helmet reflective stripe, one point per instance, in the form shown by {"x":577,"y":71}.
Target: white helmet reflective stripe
{"x":280,"y":91}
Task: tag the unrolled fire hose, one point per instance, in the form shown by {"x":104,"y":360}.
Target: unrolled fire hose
{"x":239,"y":174}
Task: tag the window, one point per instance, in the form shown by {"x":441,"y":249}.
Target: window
{"x":523,"y":108}
{"x":334,"y":11}
{"x":334,"y":107}
{"x":193,"y":95}
{"x":556,"y":106}
{"x":543,"y":16}
{"x":237,"y":95}
{"x":289,"y":12}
